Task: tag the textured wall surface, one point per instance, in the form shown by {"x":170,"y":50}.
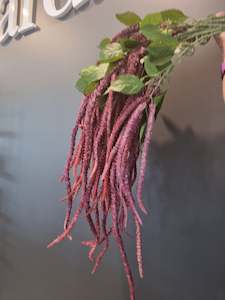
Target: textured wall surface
{"x":184,"y":240}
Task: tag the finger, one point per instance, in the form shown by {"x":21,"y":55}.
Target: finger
{"x":220,"y":36}
{"x":220,"y":14}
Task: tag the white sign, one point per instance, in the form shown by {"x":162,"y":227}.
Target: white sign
{"x":23,"y":10}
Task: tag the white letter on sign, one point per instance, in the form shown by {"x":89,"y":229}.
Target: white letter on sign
{"x":8,"y":23}
{"x":27,"y":17}
{"x":79,"y":3}
{"x":52,"y":11}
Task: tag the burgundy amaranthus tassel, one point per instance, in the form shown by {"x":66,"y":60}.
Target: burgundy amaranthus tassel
{"x":113,"y":131}
{"x":102,"y":164}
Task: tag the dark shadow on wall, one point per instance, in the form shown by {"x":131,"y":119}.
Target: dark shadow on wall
{"x":5,"y":221}
{"x":184,"y":240}
{"x":98,"y":1}
{"x":63,"y":272}
{"x":4,"y":174}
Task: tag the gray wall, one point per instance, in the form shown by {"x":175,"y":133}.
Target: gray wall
{"x":184,"y":240}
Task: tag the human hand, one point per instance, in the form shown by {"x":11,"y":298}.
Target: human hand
{"x":220,"y":38}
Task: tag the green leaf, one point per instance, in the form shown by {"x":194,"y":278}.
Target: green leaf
{"x":85,"y":87}
{"x":142,"y":131}
{"x":104,"y":42}
{"x":128,"y":44}
{"x":152,"y":19}
{"x":158,"y":38}
{"x":127,"y":84}
{"x":94,"y":73}
{"x":166,"y":40}
{"x":173,"y":15}
{"x":150,"y":31}
{"x":150,"y":68}
{"x":90,"y":76}
{"x":128,"y":18}
{"x":165,"y":65}
{"x":161,"y":61}
{"x":90,"y":88}
{"x":160,"y":55}
{"x":158,"y":100}
{"x":81,"y":85}
{"x":111,"y":52}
